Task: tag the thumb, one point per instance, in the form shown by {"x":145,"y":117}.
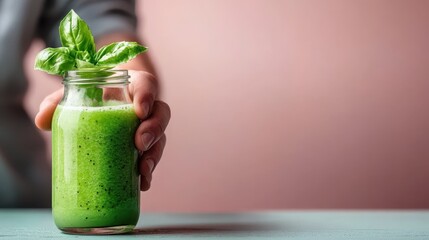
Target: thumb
{"x":47,"y":108}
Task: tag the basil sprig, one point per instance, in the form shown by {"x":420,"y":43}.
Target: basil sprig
{"x":78,"y":50}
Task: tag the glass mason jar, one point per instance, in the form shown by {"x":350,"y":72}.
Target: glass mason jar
{"x":95,"y":179}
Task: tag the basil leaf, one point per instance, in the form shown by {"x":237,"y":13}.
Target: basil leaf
{"x":81,"y":64}
{"x":117,"y":53}
{"x":94,"y":94}
{"x":95,"y":72}
{"x":89,"y":67}
{"x":55,"y":60}
{"x":83,"y":55}
{"x":75,"y":34}
{"x":78,"y":51}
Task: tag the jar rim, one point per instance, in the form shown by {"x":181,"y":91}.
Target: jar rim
{"x":92,"y":76}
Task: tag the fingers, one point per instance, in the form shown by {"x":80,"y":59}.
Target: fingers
{"x":47,"y":108}
{"x":143,"y":90}
{"x":152,"y":129}
{"x":149,"y":161}
{"x":149,"y":138}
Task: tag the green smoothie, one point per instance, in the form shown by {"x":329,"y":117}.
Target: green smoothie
{"x":95,"y":173}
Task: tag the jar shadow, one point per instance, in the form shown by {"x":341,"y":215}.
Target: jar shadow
{"x":198,"y":229}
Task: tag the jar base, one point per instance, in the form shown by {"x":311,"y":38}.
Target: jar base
{"x":98,"y":230}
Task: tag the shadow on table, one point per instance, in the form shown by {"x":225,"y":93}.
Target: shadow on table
{"x":205,"y":229}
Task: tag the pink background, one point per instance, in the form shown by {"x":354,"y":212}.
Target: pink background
{"x":287,"y":104}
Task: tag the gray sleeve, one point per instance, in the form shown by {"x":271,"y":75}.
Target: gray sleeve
{"x":102,"y":16}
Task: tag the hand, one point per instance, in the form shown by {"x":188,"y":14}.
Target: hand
{"x":155,"y":115}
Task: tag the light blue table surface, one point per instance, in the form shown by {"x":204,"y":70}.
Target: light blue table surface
{"x":365,"y":225}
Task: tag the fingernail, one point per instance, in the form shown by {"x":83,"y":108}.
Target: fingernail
{"x":148,"y":176}
{"x":150,"y":164}
{"x":147,"y":140}
{"x":145,"y":107}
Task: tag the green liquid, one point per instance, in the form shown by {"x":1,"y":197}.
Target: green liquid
{"x":95,"y":174}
